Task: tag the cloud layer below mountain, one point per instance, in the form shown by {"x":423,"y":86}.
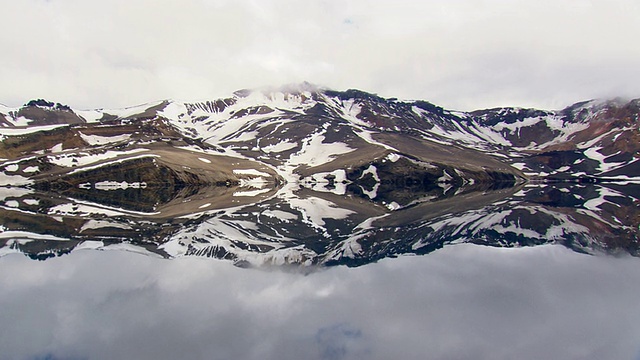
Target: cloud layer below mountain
{"x":461,"y":302}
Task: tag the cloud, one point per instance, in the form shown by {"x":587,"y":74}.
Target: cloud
{"x":460,"y":54}
{"x":341,"y":341}
{"x":460,"y":302}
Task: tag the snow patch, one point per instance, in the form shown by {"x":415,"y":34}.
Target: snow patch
{"x":279,"y":214}
{"x":102,"y":140}
{"x":29,"y":130}
{"x":517,"y":125}
{"x":99,"y":224}
{"x":594,"y":154}
{"x":14,"y":180}
{"x":393,"y":206}
{"x":340,"y":182}
{"x":279,"y":147}
{"x":4,"y":234}
{"x":314,"y":210}
{"x":258,"y":183}
{"x":123,"y":185}
{"x":56,"y":148}
{"x":315,"y":152}
{"x":253,"y":172}
{"x":393,"y":157}
{"x":251,"y":192}
{"x":85,"y":158}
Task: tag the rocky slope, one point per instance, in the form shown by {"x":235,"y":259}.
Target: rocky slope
{"x":312,"y":176}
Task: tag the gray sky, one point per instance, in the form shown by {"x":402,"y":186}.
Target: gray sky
{"x":461,"y":54}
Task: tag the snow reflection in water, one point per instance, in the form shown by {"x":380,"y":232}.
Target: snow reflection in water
{"x":303,"y":227}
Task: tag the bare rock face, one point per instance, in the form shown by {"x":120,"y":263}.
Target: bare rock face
{"x":42,"y":112}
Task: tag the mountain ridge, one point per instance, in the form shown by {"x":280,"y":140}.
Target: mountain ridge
{"x":313,"y":176}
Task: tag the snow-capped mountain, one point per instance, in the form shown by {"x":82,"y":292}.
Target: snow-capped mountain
{"x":306,"y":175}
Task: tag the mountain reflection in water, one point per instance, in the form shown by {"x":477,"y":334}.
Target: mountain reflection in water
{"x":463,"y":301}
{"x":318,"y":225}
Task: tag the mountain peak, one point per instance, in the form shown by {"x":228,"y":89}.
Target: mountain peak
{"x":42,"y":103}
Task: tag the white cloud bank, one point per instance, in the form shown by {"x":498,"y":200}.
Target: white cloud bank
{"x":459,"y":54}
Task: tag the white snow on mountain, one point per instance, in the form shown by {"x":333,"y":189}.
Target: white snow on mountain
{"x":102,"y":140}
{"x":316,"y":152}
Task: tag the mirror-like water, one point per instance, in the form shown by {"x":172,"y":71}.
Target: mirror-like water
{"x":533,"y":290}
{"x":461,"y":302}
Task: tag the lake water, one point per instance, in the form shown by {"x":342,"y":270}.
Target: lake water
{"x":531,"y":272}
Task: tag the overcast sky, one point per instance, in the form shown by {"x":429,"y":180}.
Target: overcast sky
{"x":463,"y":54}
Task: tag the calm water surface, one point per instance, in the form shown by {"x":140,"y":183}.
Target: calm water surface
{"x":558,"y":281}
{"x":461,"y":302}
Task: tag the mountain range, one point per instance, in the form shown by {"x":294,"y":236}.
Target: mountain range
{"x":312,"y":176}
